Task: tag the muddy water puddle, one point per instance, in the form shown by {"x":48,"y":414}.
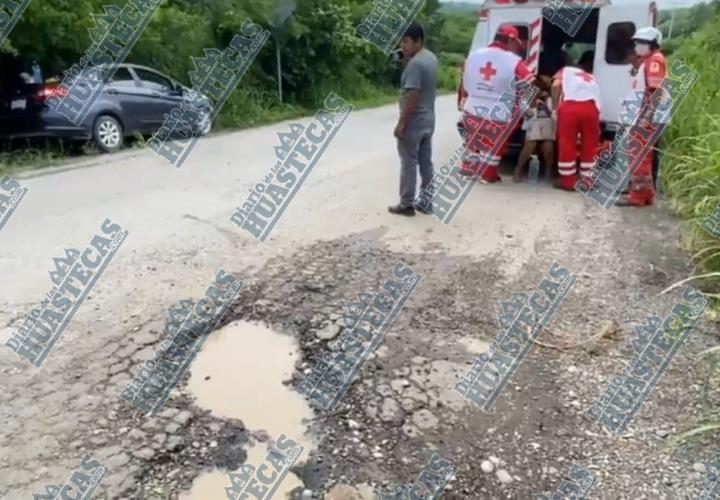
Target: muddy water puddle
{"x":239,"y":374}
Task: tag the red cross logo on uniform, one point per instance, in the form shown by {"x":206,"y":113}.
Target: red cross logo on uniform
{"x":488,"y":71}
{"x":586,"y":77}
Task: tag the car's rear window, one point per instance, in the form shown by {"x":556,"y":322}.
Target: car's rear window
{"x":620,"y":46}
{"x":10,"y":76}
{"x":123,"y":78}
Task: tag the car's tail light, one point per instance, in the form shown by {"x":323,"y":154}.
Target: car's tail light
{"x":46,"y":92}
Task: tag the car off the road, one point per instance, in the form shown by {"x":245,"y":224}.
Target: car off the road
{"x":133,"y":102}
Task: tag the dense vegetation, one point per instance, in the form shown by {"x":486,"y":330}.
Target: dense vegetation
{"x":683,"y":23}
{"x":320,"y":50}
{"x":691,"y":166}
{"x":459,"y":7}
{"x":455,"y":40}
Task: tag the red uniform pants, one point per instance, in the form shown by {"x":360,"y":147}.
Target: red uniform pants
{"x":638,"y":157}
{"x":642,"y":190}
{"x":486,"y":142}
{"x":573,"y":118}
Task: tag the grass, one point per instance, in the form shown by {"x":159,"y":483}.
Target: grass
{"x":691,"y":178}
{"x":34,"y":156}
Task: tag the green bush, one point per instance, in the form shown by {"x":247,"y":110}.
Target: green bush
{"x":670,"y":46}
{"x":691,"y":169}
{"x":449,"y":76}
{"x":459,"y":32}
{"x":691,"y":173}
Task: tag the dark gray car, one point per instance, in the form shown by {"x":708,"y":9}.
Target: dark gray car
{"x":134,"y":101}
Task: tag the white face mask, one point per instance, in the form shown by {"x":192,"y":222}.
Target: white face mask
{"x":642,"y":49}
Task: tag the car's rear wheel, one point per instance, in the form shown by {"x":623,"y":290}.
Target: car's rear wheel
{"x":107,"y":134}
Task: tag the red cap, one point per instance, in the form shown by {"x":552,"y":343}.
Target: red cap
{"x":509,"y":31}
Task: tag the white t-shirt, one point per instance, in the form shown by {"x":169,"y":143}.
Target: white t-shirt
{"x":489,"y":73}
{"x":579,"y":85}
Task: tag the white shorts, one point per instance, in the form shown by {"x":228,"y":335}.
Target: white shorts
{"x":540,"y":129}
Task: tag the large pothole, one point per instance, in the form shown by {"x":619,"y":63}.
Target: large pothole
{"x":239,"y":374}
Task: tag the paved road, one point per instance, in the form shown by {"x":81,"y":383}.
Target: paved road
{"x":167,"y":210}
{"x":180,"y":235}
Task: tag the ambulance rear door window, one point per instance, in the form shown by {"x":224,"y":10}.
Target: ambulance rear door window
{"x":523,"y":30}
{"x":620,"y":47}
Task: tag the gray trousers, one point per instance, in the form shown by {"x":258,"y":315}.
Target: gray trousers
{"x":415,"y":149}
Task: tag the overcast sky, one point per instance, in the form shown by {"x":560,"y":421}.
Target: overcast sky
{"x":663,"y":4}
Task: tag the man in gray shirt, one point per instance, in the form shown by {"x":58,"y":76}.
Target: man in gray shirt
{"x":417,"y":118}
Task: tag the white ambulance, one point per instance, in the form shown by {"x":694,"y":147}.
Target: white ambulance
{"x":606,"y":28}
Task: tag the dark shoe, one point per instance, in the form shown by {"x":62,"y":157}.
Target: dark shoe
{"x":400,"y":210}
{"x":424,"y":209}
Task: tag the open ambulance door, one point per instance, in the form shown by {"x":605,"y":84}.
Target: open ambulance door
{"x":528,"y":21}
{"x":614,"y":52}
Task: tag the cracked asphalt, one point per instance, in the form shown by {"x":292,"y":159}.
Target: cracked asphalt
{"x":335,"y":240}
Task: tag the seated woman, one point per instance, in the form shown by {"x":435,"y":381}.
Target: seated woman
{"x":539,"y":130}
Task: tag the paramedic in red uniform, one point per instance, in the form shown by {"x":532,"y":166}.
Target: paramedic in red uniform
{"x":576,"y":96}
{"x":489,"y":73}
{"x":647,"y":78}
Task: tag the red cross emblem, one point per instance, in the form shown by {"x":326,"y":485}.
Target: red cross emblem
{"x":488,"y":71}
{"x":586,"y":77}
